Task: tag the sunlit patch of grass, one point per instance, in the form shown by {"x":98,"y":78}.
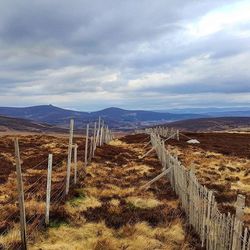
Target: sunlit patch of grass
{"x":80,"y":204}
{"x":11,"y":238}
{"x":141,"y":169}
{"x":66,"y":237}
{"x":114,"y":202}
{"x":143,"y":202}
{"x":109,"y":190}
{"x":97,"y":236}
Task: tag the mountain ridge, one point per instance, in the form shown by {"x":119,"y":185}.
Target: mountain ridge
{"x":114,"y":117}
{"x":213,"y":124}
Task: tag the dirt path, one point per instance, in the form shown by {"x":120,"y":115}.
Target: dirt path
{"x":110,"y":212}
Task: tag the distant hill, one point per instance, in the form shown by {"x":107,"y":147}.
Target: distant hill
{"x":214,"y":112}
{"x":213,"y":124}
{"x":8,"y":124}
{"x":43,"y":113}
{"x":114,"y":117}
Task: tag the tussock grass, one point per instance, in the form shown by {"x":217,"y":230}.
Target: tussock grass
{"x":141,"y":169}
{"x":143,"y":202}
{"x":80,"y":204}
{"x":34,"y":207}
{"x":11,"y":238}
{"x":98,"y":237}
{"x":109,"y":190}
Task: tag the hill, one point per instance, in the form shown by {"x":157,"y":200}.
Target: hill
{"x":213,"y":124}
{"x":8,"y":124}
{"x":114,"y":117}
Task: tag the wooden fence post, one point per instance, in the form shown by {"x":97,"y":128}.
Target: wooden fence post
{"x":75,"y":163}
{"x":91,"y":148}
{"x":237,"y":229}
{"x":69,"y":155}
{"x":94,"y":141}
{"x":20,"y":195}
{"x":48,"y":189}
{"x":101,"y":136}
{"x":86,"y":145}
{"x":99,"y":131}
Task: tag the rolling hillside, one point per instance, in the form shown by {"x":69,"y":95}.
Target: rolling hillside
{"x":8,"y":124}
{"x":115,"y":117}
{"x":213,"y":124}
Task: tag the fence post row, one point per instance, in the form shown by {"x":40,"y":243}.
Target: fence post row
{"x":100,"y":136}
{"x":216,"y":230}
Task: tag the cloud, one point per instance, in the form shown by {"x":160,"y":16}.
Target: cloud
{"x":92,"y":54}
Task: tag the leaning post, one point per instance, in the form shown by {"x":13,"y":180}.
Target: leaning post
{"x":20,"y":195}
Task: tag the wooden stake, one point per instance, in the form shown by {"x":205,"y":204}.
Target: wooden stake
{"x":101,"y":136}
{"x":75,"y":163}
{"x":69,"y":155}
{"x":86,"y":145}
{"x":91,"y":148}
{"x":20,"y":195}
{"x":48,"y":189}
{"x":94,"y":141}
{"x":99,"y":131}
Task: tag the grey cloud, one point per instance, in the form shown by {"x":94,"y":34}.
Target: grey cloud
{"x":40,"y":40}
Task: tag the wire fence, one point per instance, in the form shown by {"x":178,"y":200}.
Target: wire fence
{"x":35,"y":181}
{"x":216,"y":230}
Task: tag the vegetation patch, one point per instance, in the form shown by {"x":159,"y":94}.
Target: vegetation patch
{"x":143,"y":202}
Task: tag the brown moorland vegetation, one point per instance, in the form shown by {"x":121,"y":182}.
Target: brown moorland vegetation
{"x":106,"y":210}
{"x":221,"y":162}
{"x":34,"y":150}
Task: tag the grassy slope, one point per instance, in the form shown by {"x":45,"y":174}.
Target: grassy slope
{"x":110,"y":212}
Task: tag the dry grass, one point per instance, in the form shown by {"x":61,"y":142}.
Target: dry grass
{"x":108,"y":212}
{"x":143,"y":202}
{"x":226,"y":175}
{"x":34,"y":207}
{"x":141,"y":169}
{"x":109,"y":190}
{"x":97,"y":236}
{"x":78,"y":205}
{"x":11,"y":238}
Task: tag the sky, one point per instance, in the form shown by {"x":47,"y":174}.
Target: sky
{"x":153,"y":55}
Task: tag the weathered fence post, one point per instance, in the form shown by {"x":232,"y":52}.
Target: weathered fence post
{"x":91,"y":148}
{"x":99,"y":131}
{"x":94,"y":141}
{"x":69,"y":155}
{"x":86,"y":145}
{"x":237,"y":229}
{"x":177,"y":135}
{"x":48,"y":189}
{"x":101,"y":136}
{"x":20,"y":195}
{"x":75,"y":163}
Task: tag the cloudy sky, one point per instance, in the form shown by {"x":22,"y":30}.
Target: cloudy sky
{"x":145,"y":54}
